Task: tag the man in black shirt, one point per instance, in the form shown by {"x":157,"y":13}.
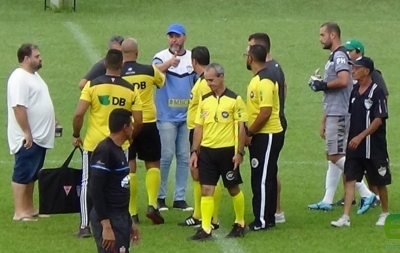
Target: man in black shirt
{"x":98,"y":69}
{"x":264,"y":40}
{"x":108,"y":187}
{"x":367,"y":146}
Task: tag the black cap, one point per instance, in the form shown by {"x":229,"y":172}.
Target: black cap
{"x":364,"y":61}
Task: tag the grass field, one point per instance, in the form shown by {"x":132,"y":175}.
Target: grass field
{"x":71,"y":42}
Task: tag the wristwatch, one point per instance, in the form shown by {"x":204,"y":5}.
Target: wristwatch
{"x":242,"y":153}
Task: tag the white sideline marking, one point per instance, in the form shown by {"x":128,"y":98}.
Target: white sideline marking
{"x":83,"y":40}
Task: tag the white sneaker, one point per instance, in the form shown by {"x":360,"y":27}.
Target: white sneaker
{"x":341,"y":222}
{"x":381,"y":220}
{"x":280,"y":217}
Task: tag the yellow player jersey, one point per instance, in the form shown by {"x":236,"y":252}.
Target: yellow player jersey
{"x":144,"y":78}
{"x":199,"y":89}
{"x":263,"y":91}
{"x":219,"y":117}
{"x":105,"y":94}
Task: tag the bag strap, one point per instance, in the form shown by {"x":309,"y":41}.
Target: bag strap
{"x":69,"y":158}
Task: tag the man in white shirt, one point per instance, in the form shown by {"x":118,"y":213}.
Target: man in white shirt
{"x":31,"y":128}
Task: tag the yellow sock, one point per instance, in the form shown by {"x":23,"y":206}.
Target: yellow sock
{"x":197,"y":199}
{"x":153,"y":181}
{"x":217,"y":201}
{"x":133,"y":186}
{"x":207,"y":209}
{"x":238,"y":205}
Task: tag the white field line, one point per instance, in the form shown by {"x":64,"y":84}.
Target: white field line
{"x":84,"y":40}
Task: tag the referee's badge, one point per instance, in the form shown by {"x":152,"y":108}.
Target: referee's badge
{"x":251,"y":94}
{"x":225,"y":114}
{"x":254,"y":163}
{"x":368,"y":103}
{"x":230,"y":176}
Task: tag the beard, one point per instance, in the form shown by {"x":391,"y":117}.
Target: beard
{"x":36,"y":67}
{"x":327,"y":45}
{"x":175,"y":48}
{"x":248,"y":66}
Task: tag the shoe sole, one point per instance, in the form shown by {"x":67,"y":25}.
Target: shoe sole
{"x":183,"y":209}
{"x":163,"y":209}
{"x":280,"y":221}
{"x":155,"y":219}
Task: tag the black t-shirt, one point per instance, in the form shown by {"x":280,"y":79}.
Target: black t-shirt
{"x":279,"y":75}
{"x":377,"y":78}
{"x":98,"y":69}
{"x":109,"y":179}
{"x":364,"y":108}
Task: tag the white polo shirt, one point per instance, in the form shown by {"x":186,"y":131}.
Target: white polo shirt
{"x":29,"y":90}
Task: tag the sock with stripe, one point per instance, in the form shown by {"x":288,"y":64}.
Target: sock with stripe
{"x":207,"y":209}
{"x":197,"y":199}
{"x":238,"y":205}
{"x":153,"y":181}
{"x":217,"y":201}
{"x":133,"y":187}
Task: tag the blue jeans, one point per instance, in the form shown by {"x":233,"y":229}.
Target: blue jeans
{"x":174,"y":140}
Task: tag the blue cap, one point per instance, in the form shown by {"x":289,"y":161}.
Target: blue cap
{"x":176,"y":28}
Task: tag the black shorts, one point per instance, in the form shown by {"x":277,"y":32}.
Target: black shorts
{"x":191,"y":133}
{"x":121,"y":224}
{"x":378,"y":170}
{"x":216,"y":162}
{"x":147,"y":145}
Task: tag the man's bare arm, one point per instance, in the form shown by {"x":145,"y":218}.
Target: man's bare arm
{"x":22,"y":118}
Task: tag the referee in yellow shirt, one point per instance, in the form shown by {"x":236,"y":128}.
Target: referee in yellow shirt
{"x":200,"y":59}
{"x":213,"y":150}
{"x":265,"y":137}
{"x":102,"y":95}
{"x":147,"y":145}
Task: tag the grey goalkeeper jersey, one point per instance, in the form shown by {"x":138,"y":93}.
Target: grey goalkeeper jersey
{"x":336,"y":101}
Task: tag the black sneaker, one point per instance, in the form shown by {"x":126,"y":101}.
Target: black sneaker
{"x":200,"y":235}
{"x":83,"y":233}
{"x":376,"y":203}
{"x":135,"y":218}
{"x":161,"y":206}
{"x":154,"y":215}
{"x":190,"y":222}
{"x":253,"y":226}
{"x":341,"y":202}
{"x":182,"y":205}
{"x":238,"y":231}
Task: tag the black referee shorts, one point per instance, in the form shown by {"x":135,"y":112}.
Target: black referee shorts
{"x":121,"y":224}
{"x":147,"y":145}
{"x":216,"y":162}
{"x":378,"y":170}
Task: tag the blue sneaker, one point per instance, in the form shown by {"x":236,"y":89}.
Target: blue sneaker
{"x":321,"y":206}
{"x":366,"y":203}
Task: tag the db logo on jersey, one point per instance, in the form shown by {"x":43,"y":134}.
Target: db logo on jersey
{"x":230,"y":176}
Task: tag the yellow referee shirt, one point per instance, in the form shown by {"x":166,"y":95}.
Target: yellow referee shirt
{"x":105,"y":94}
{"x":144,"y":78}
{"x":263,"y":91}
{"x":199,"y":89}
{"x":218,"y":116}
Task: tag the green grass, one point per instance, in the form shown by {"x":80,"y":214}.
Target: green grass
{"x":223,"y":26}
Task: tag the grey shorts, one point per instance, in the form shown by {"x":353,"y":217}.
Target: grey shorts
{"x":336,"y":132}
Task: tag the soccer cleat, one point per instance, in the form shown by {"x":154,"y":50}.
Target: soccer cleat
{"x":341,"y":222}
{"x":376,"y":203}
{"x":154,"y":215}
{"x":366,"y":204}
{"x":83,"y":233}
{"x":182,"y":205}
{"x":135,"y":218}
{"x":238,"y":231}
{"x":382,"y":219}
{"x":280,"y":217}
{"x":214,"y":226}
{"x":190,"y":222}
{"x":161,"y":206}
{"x":320,"y":206}
{"x":340,"y":202}
{"x":200,"y":235}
